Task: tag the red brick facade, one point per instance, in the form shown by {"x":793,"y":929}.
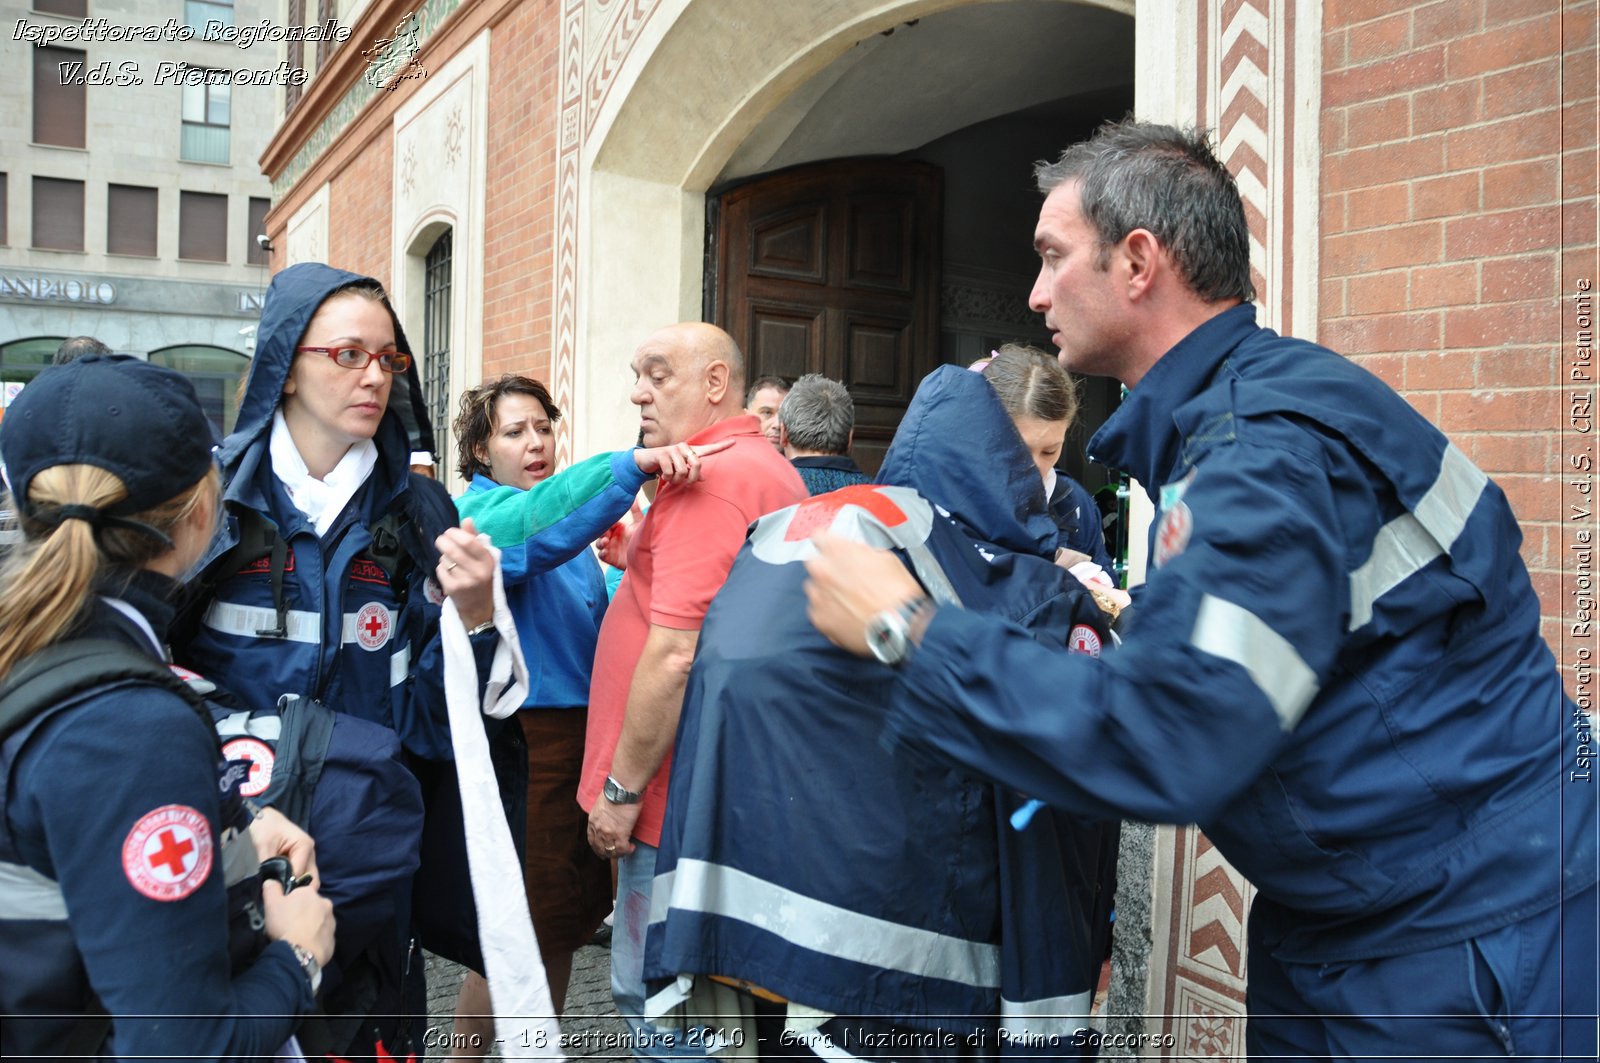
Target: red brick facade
{"x":360,"y":211}
{"x":519,"y":255}
{"x":1447,"y":128}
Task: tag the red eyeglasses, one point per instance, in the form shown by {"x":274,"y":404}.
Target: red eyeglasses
{"x":357,"y":358}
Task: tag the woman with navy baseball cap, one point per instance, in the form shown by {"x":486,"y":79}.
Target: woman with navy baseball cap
{"x":124,"y":845}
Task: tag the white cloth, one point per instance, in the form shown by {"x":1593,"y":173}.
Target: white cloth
{"x":1089,"y":572}
{"x":320,"y":500}
{"x":524,"y":1021}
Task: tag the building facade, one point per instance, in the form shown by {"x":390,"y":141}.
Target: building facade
{"x":845,"y":185}
{"x":132,"y":200}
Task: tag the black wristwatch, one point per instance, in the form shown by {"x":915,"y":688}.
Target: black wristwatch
{"x":889,"y":632}
{"x":618,"y":794}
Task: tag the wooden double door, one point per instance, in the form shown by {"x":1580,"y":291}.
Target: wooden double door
{"x":834,"y":268}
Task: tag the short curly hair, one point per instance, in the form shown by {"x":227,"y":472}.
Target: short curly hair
{"x":474,"y":422}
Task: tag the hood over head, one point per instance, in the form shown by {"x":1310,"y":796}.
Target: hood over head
{"x":958,"y":448}
{"x":293,"y":298}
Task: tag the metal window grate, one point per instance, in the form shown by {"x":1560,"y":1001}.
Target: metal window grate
{"x":436,"y":336}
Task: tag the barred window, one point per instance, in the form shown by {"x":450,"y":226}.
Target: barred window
{"x":57,"y":214}
{"x":203,"y":226}
{"x":436,"y":335}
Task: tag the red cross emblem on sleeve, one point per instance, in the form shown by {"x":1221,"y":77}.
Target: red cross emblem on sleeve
{"x":1172,"y":536}
{"x":168,"y":853}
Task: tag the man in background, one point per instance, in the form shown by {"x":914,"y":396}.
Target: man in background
{"x":815,"y":424}
{"x":762,"y":401}
{"x":77,"y":347}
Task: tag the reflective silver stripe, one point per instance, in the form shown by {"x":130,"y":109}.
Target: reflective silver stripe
{"x":26,"y":894}
{"x":239,"y":724}
{"x":1444,"y":510}
{"x":248,"y":621}
{"x":1235,"y":634}
{"x":1406,"y":544}
{"x":1399,"y":550}
{"x":1052,"y":1019}
{"x":697,"y":886}
{"x":399,"y":666}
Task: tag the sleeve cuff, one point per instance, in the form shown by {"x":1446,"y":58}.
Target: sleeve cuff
{"x":625,"y":471}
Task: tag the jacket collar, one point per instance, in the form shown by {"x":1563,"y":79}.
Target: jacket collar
{"x":1142,"y":437}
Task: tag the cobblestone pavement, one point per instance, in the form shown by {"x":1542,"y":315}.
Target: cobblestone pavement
{"x":590,"y":1025}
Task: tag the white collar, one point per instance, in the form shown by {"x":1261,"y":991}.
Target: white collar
{"x":320,"y":500}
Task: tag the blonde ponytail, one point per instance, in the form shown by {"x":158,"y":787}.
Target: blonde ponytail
{"x":47,"y":580}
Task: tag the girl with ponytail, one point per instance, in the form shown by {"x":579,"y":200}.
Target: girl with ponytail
{"x":122,"y":835}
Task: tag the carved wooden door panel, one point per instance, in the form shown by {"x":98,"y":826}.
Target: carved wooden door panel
{"x":834,"y":268}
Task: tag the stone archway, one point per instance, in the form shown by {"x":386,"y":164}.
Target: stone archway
{"x":647,"y":124}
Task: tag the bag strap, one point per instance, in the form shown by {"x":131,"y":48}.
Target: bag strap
{"x":65,"y":669}
{"x":302,"y":750}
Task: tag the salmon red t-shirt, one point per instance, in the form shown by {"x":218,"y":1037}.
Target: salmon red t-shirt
{"x":677,"y":562}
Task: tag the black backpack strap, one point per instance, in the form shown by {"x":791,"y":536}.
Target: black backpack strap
{"x":402,"y":539}
{"x":62,"y":670}
{"x":258,"y":538}
{"x":302,"y":748}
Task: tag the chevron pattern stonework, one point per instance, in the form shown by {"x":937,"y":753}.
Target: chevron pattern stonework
{"x":1243,"y":117}
{"x":589,"y":65}
{"x":1245,"y":93}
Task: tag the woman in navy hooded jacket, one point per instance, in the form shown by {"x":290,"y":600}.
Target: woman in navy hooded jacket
{"x":333,"y":611}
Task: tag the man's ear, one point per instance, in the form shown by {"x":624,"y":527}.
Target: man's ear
{"x":717,"y":377}
{"x":783,"y":437}
{"x":850,"y":441}
{"x":1142,"y":256}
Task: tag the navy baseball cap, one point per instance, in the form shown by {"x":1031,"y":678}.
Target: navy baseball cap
{"x":139,"y":421}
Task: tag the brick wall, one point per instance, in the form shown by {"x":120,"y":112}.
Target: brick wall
{"x":524,"y":63}
{"x":361,"y":211}
{"x":1447,"y":130}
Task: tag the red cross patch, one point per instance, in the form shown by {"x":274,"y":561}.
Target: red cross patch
{"x":432,"y":590}
{"x":167,"y":854}
{"x":1084,"y":639}
{"x":1172,"y":536}
{"x":373,"y":626}
{"x":261,"y":759}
